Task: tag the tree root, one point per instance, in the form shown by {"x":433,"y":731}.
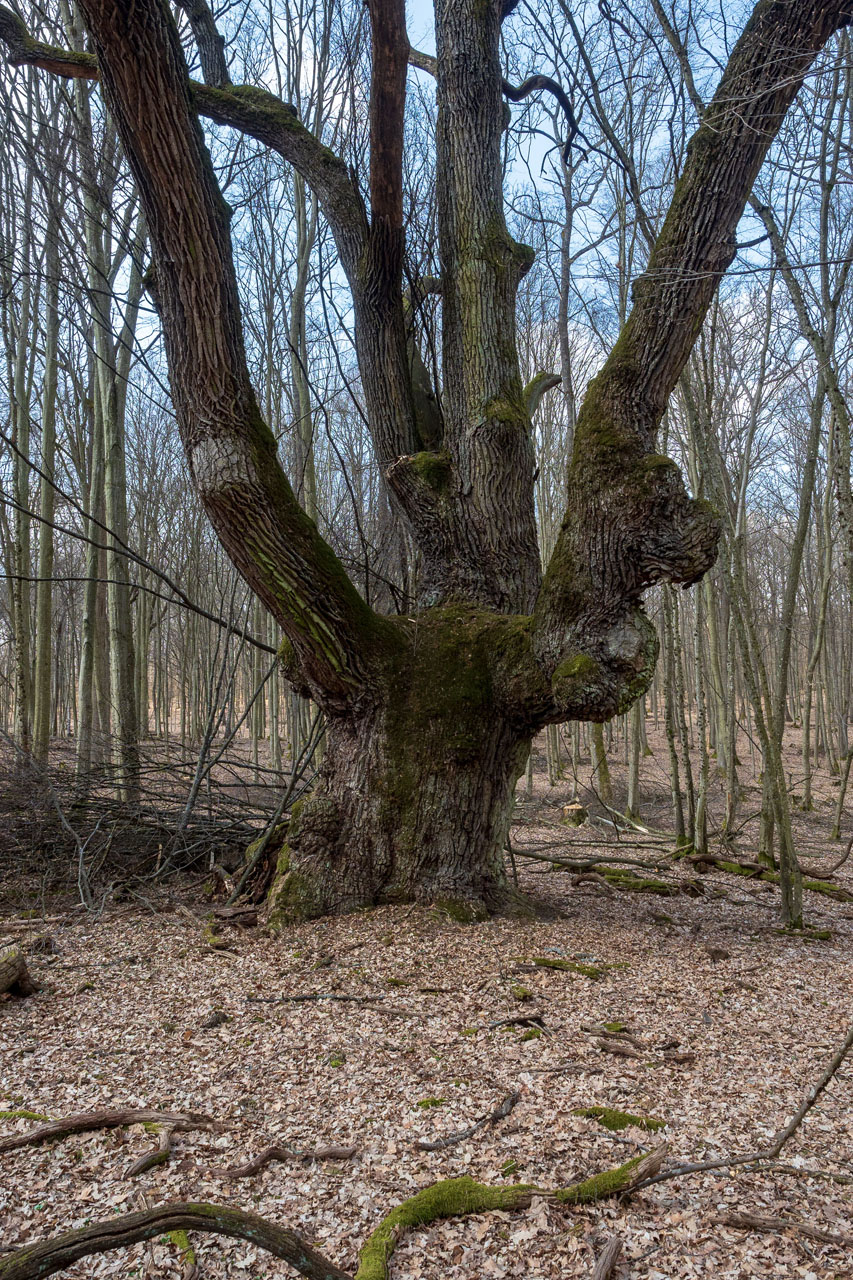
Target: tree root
{"x":36,"y":1261}
{"x":755,"y":1222}
{"x":159,"y":1155}
{"x":283,"y":1154}
{"x":86,"y":1121}
{"x":457,"y":1197}
{"x":453,"y":1198}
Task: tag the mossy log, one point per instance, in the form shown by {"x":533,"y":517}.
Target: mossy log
{"x":754,"y":871}
{"x":452,"y":1198}
{"x":457,"y":1197}
{"x":14,"y":977}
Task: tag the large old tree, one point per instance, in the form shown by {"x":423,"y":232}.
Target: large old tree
{"x":430,"y":716}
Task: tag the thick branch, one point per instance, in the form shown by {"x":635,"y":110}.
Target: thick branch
{"x":211,"y":46}
{"x":232,"y":453}
{"x":629,"y":522}
{"x":36,"y":1261}
{"x":255,"y":112}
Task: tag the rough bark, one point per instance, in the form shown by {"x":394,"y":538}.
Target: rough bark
{"x":14,"y":976}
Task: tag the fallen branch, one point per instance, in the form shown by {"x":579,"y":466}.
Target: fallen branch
{"x":500,"y":1113}
{"x":754,"y":1222}
{"x":534,"y":854}
{"x":159,"y":1155}
{"x":619,"y":1047}
{"x":610,"y":1255}
{"x":782,"y":1137}
{"x":754,"y":871}
{"x":282,"y":1154}
{"x":86,"y":1121}
{"x":522,"y":1020}
{"x":36,"y":1261}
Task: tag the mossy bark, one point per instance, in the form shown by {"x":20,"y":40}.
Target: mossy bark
{"x":416,"y":790}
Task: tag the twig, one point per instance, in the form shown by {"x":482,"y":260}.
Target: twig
{"x":500,"y":1113}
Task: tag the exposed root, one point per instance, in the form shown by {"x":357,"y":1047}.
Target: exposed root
{"x":453,"y":1198}
{"x":86,"y":1121}
{"x":36,"y":1261}
{"x":263,"y":1158}
{"x":457,"y":1197}
{"x":159,"y":1155}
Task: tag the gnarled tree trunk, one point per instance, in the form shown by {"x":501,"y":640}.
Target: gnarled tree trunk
{"x":430,"y":717}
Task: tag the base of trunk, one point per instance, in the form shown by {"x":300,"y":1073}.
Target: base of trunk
{"x":414,"y":803}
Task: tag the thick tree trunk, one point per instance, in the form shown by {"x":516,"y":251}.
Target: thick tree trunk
{"x":416,"y":791}
{"x":407,"y":810}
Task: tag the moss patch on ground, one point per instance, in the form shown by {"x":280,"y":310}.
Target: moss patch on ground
{"x":613,"y":1119}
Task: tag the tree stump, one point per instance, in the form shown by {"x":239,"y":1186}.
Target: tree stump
{"x":14,"y":976}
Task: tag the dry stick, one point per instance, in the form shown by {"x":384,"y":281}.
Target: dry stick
{"x":500,"y":1113}
{"x":754,"y":1222}
{"x":784,"y":1135}
{"x":522,"y":1020}
{"x":282,"y":1154}
{"x":36,"y":1261}
{"x":585,"y":864}
{"x":159,"y":1155}
{"x":610,"y":1256}
{"x":86,"y":1121}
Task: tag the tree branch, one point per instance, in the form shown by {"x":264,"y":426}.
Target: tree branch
{"x":211,"y":46}
{"x":253,"y":111}
{"x":36,"y":1261}
{"x":629,"y":522}
{"x":334,"y":636}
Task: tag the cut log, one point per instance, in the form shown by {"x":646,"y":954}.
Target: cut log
{"x":14,"y":977}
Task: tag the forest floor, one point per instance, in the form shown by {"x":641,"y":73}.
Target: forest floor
{"x":731,"y":1022}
